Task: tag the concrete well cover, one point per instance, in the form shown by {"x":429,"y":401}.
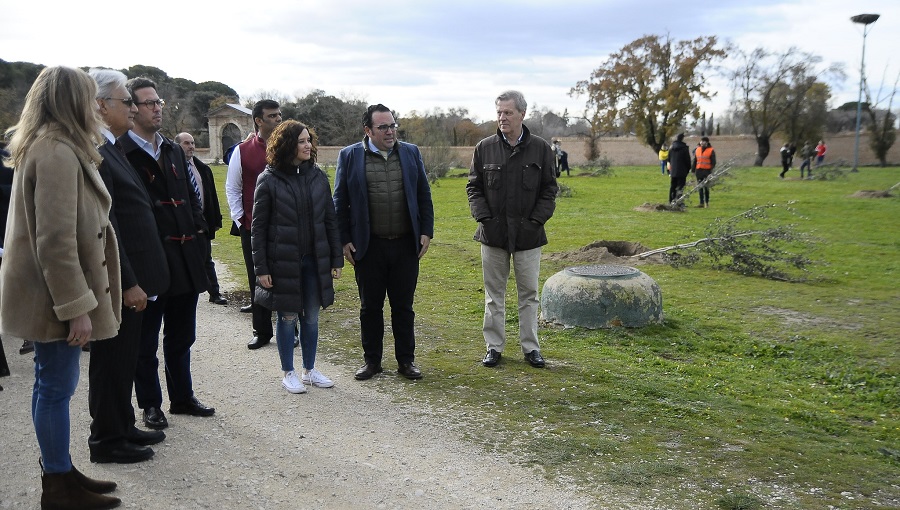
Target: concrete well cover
{"x":601,"y":296}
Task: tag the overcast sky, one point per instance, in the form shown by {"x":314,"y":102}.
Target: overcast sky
{"x":419,"y":54}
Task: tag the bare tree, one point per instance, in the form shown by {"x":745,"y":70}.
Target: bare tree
{"x":771,"y":88}
{"x":882,"y":133}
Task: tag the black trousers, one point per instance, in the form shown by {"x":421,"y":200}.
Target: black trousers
{"x":262,"y":316}
{"x":4,"y":367}
{"x":390,"y":267}
{"x":704,"y":191}
{"x":210,"y":267}
{"x":676,"y":188}
{"x":180,"y":330}
{"x":111,"y":378}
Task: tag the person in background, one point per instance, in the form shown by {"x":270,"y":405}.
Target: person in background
{"x":663,"y":158}
{"x":145,"y":274}
{"x":296,"y":247}
{"x":512,"y":194}
{"x":209,"y":204}
{"x":60,"y":277}
{"x":562,"y":158}
{"x":386,"y":219}
{"x":703,"y":165}
{"x":787,"y":159}
{"x":678,"y":166}
{"x":246,"y":163}
{"x":806,"y":153}
{"x":821,"y":149}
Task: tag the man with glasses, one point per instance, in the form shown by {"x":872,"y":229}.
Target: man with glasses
{"x":114,"y":438}
{"x":248,"y":161}
{"x":182,"y":228}
{"x":512,"y":193}
{"x":386,"y":221}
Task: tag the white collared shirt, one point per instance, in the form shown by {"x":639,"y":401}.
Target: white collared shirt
{"x":148,"y":147}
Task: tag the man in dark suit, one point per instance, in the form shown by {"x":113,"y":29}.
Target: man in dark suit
{"x":114,"y":437}
{"x":386,"y":221}
{"x":209,"y":203}
{"x":181,"y":227}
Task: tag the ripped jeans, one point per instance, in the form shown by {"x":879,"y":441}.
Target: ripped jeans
{"x":285,"y":324}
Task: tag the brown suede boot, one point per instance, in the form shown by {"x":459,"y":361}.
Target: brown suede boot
{"x":98,"y":486}
{"x":61,"y":491}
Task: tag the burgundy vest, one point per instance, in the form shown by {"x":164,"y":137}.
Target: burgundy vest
{"x":253,"y":163}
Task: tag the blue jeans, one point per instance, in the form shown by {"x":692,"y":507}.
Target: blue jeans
{"x":286,"y":322}
{"x":56,"y":373}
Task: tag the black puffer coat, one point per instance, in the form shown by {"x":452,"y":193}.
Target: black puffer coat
{"x":293,"y":215}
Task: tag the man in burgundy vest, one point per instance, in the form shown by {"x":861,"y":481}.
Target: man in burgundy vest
{"x":248,"y":161}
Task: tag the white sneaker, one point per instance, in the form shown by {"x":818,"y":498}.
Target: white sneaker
{"x":292,"y":384}
{"x":316,"y":378}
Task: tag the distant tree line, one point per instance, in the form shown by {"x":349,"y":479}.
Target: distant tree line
{"x":653,"y":86}
{"x":651,"y":89}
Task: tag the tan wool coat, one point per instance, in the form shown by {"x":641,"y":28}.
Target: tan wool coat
{"x":60,"y":257}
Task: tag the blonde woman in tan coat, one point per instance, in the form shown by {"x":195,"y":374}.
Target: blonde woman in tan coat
{"x":59,"y":281}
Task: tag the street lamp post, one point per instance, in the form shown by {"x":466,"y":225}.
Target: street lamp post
{"x":865,"y":20}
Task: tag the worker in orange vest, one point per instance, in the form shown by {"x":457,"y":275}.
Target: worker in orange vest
{"x":703,"y":164}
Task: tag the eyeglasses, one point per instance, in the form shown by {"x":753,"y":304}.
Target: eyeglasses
{"x":127,"y":101}
{"x":388,"y":127}
{"x":150,"y":103}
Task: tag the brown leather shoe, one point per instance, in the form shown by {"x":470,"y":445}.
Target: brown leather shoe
{"x":367,"y":371}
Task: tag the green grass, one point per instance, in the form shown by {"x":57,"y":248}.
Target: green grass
{"x":752,"y":393}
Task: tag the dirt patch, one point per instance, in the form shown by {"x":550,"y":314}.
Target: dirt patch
{"x":651,"y":207}
{"x":607,"y":252}
{"x":871,"y":194}
{"x":795,"y":318}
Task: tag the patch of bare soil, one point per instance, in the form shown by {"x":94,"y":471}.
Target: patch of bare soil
{"x":795,"y":318}
{"x":608,"y":252}
{"x":871,"y":194}
{"x":651,"y":207}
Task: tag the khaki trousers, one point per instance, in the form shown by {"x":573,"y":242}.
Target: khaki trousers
{"x":495,"y":268}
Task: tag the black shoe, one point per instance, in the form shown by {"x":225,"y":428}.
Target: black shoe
{"x":257,"y":342}
{"x":491,"y":358}
{"x":120,"y":452}
{"x":535,"y":359}
{"x":192,"y":407}
{"x":155,"y":419}
{"x":27,"y":346}
{"x":409,"y":370}
{"x":367,"y":371}
{"x":218,"y":299}
{"x":145,"y":437}
{"x":247,"y":309}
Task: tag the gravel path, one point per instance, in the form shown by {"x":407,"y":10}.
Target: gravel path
{"x":357,"y":445}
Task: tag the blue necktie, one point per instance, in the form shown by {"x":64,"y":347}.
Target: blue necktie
{"x":190,"y":172}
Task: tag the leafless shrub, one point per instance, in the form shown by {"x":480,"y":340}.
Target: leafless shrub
{"x":757,"y":242}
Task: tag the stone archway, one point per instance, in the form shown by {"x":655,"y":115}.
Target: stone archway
{"x":231,"y":134}
{"x":228,"y":124}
